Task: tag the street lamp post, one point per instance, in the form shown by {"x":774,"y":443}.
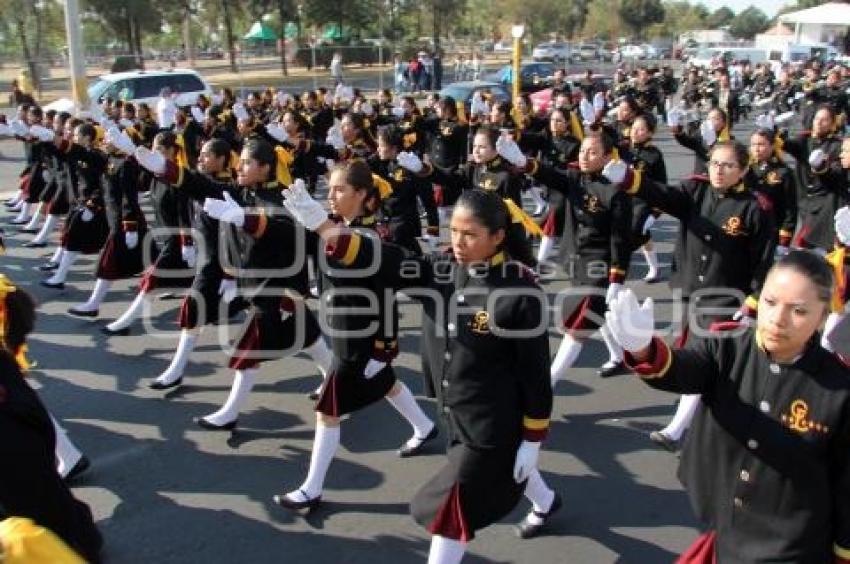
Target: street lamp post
{"x":76,"y":55}
{"x":517,"y":31}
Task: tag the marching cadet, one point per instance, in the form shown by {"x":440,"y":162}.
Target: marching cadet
{"x":725,"y":247}
{"x":318,"y":115}
{"x":834,"y":93}
{"x":449,"y":135}
{"x":86,"y":227}
{"x":34,"y":152}
{"x":768,"y":177}
{"x":785,"y":93}
{"x":269,"y":264}
{"x":713,"y":130}
{"x":823,"y":184}
{"x":364,"y":340}
{"x":29,"y":483}
{"x":767,"y":467}
{"x":596,"y":245}
{"x":177,"y":256}
{"x":724,"y":97}
{"x":122,"y":256}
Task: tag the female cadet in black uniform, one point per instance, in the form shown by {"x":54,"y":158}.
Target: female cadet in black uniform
{"x":85,"y":227}
{"x":122,"y":256}
{"x":767,"y":465}
{"x":364,"y":340}
{"x":725,"y":247}
{"x":176,"y":259}
{"x":596,"y":246}
{"x":770,"y":179}
{"x":29,"y":484}
{"x":449,"y":135}
{"x":268,"y":258}
{"x":823,"y":185}
{"x":714,"y":129}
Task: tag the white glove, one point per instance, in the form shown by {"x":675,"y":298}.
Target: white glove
{"x":123,"y":143}
{"x":189,"y":254}
{"x":647,"y":225}
{"x":277,"y":132}
{"x":166,"y":111}
{"x":307,"y":211}
{"x":373,"y":367}
{"x":631,"y":324}
{"x":150,"y":160}
{"x":217,"y":99}
{"x":398,"y":112}
{"x":87,"y":215}
{"x":510,"y":151}
{"x":409,"y":161}
{"x":283,"y":98}
{"x":131,"y":238}
{"x":41,"y":133}
{"x":599,"y":101}
{"x":782,"y":250}
{"x":842,"y":225}
{"x":329,"y":99}
{"x":334,"y":138}
{"x":783,"y":117}
{"x":5,"y":131}
{"x":743,"y":319}
{"x":817,"y":158}
{"x":799,"y":95}
{"x":764,"y":121}
{"x":614,"y":288}
{"x":226,"y":210}
{"x":709,"y":136}
{"x":367,"y":109}
{"x":239,"y":112}
{"x":19,"y":128}
{"x":432,"y":242}
{"x":588,"y":114}
{"x":526,"y":460}
{"x":761,"y":102}
{"x":124,"y":122}
{"x":227,"y":290}
{"x":615,"y":170}
{"x":198,"y":114}
{"x":477,"y":105}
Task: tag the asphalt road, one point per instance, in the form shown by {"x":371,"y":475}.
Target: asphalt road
{"x":163,"y":490}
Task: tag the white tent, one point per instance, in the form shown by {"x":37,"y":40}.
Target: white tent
{"x":821,"y":24}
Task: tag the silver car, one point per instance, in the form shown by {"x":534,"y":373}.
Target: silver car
{"x":551,"y":51}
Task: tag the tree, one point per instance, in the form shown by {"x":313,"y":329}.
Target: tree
{"x":679,"y":15}
{"x":748,"y":23}
{"x":603,"y":20}
{"x":719,"y":18}
{"x":639,"y":14}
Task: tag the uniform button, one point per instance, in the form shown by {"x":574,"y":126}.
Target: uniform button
{"x":774,"y":368}
{"x":461,"y":298}
{"x":446,"y":409}
{"x":739,"y":503}
{"x":764,"y":406}
{"x":448,"y":355}
{"x":445,"y":383}
{"x":704,"y":257}
{"x":701,"y":278}
{"x":752,"y":444}
{"x":745,"y":476}
{"x":707,"y":237}
{"x":328,"y":299}
{"x":452,"y":327}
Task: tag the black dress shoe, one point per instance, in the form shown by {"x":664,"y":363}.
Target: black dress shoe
{"x":208,"y":425}
{"x":665,"y":442}
{"x":19,"y":221}
{"x":82,"y":312}
{"x":81,"y":466}
{"x":33,"y":245}
{"x":308,"y":503}
{"x":157,"y":385}
{"x":55,"y":286}
{"x":526,"y":530}
{"x":654,"y":280}
{"x":609,"y":370}
{"x":31,"y":230}
{"x":48,"y":266}
{"x":406,"y":451}
{"x":113,"y":333}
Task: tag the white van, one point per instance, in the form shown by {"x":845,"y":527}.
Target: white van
{"x":145,"y":86}
{"x":798,"y":54}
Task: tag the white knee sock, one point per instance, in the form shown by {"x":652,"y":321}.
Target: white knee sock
{"x":17,"y":197}
{"x":615,"y":351}
{"x":243,"y":381}
{"x":130,"y":314}
{"x":324,"y":448}
{"x":405,"y":403}
{"x":65,"y":263}
{"x":24,"y":215}
{"x":652,"y":260}
{"x":688,"y":404}
{"x":57,"y":256}
{"x":567,"y":353}
{"x":35,"y":217}
{"x":539,"y":494}
{"x":48,"y":226}
{"x":181,"y":358}
{"x":832,"y":320}
{"x":445,"y":550}
{"x":101,"y":287}
{"x":536,"y":193}
{"x":67,"y":455}
{"x":547,"y":244}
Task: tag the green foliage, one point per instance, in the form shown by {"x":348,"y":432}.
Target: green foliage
{"x":639,"y":14}
{"x":748,"y":23}
{"x":719,"y":18}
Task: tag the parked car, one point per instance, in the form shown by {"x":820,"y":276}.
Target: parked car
{"x":503,"y":47}
{"x":649,"y":51}
{"x":463,"y":91}
{"x":551,"y":51}
{"x":632,"y":52}
{"x":589,"y":52}
{"x":542,"y":99}
{"x":534,"y":76}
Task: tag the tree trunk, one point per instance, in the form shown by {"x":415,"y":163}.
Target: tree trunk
{"x":20,"y":24}
{"x":228,"y":30}
{"x":187,"y":36}
{"x":437,"y":23}
{"x":281,"y":7}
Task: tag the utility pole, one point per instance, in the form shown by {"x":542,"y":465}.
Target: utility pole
{"x":76,"y":55}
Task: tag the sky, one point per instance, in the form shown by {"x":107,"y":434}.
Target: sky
{"x":769,"y":7}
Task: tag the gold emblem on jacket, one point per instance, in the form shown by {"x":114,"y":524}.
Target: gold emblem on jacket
{"x":591,"y":204}
{"x":732,"y":227}
{"x":798,"y":419}
{"x":772,"y":177}
{"x":480,"y":323}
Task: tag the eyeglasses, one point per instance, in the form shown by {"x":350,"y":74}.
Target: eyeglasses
{"x":722,"y":165}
